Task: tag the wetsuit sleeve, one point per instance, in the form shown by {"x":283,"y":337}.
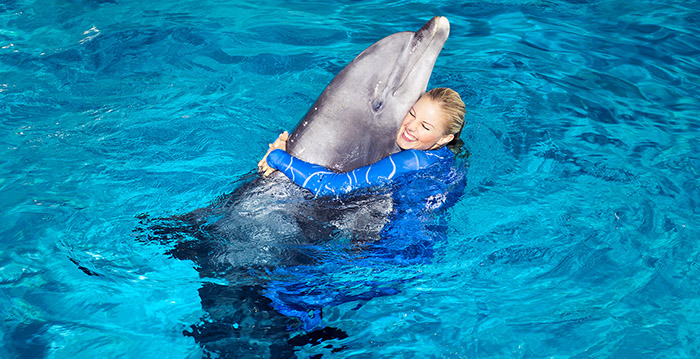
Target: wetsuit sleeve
{"x":322,"y":181}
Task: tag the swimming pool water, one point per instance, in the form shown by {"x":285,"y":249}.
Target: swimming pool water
{"x":575,"y":237}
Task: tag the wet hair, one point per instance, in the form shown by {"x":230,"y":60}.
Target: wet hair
{"x":453,"y":109}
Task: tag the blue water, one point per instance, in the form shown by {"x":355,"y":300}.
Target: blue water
{"x":576,"y":235}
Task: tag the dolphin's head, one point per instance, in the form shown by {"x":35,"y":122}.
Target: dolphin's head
{"x":354,"y":121}
{"x":403,"y":63}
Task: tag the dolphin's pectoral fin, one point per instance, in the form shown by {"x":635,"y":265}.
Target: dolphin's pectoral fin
{"x":318,"y":336}
{"x":241,"y":320}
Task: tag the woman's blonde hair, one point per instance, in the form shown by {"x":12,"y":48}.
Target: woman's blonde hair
{"x":453,"y":109}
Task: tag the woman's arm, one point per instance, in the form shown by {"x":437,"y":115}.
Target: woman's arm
{"x":322,"y":181}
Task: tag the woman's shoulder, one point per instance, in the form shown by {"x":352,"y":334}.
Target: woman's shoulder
{"x":428,"y":155}
{"x":441,"y":153}
{"x":417,"y":159}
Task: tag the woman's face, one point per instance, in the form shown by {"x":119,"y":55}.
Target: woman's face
{"x":423,"y":128}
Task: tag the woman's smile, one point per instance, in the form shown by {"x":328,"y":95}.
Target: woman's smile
{"x":407,"y":136}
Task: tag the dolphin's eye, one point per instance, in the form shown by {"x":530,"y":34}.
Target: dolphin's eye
{"x":377,"y":105}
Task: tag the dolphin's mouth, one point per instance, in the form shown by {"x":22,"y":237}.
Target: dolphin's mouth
{"x":427,"y":36}
{"x":432,"y":27}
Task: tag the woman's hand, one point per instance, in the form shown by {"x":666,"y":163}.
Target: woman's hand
{"x":279,"y":144}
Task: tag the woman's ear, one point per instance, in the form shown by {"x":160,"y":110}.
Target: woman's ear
{"x":445,"y":140}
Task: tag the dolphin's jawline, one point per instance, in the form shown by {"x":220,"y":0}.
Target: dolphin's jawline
{"x":433,"y":35}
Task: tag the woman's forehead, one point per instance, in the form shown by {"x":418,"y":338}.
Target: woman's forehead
{"x":429,"y":108}
{"x":427,"y":103}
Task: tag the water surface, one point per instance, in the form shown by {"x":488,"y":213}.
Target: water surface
{"x":576,"y":234}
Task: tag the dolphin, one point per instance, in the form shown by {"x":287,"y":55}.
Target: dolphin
{"x":354,"y":121}
{"x":268,"y":223}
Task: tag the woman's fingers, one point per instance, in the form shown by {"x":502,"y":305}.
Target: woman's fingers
{"x":262,"y":164}
{"x":265,"y":169}
{"x":280,"y":143}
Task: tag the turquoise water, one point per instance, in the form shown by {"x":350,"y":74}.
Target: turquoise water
{"x":576,"y":234}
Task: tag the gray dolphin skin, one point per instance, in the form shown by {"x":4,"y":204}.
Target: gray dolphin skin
{"x":354,"y":121}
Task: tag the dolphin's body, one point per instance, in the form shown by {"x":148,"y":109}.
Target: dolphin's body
{"x":355,"y":120}
{"x":270,"y":223}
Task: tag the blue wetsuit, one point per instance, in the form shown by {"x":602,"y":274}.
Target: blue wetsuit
{"x":322,"y":181}
{"x":413,"y":225}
